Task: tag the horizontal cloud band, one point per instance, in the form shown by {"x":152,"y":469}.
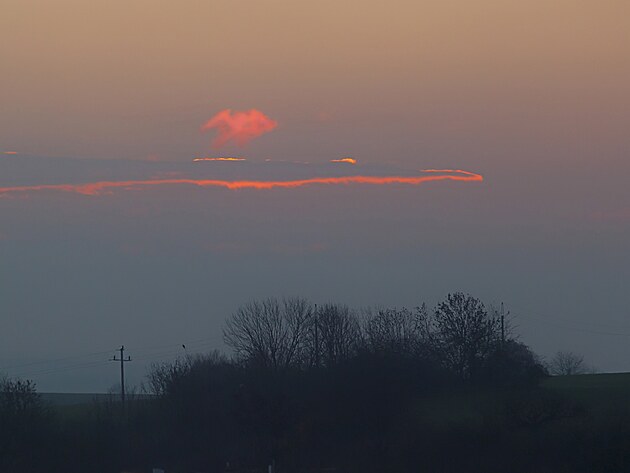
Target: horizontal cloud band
{"x":100,"y":187}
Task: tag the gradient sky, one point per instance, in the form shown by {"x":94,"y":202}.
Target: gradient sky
{"x":534,"y":96}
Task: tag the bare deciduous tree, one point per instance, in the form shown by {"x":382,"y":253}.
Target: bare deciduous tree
{"x":18,"y":396}
{"x":397,"y":330}
{"x":164,"y":377}
{"x":567,"y":363}
{"x":334,"y":336}
{"x":271,"y":333}
{"x":465,"y":333}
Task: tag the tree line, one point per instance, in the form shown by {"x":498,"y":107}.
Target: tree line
{"x":460,"y":335}
{"x":314,"y":388}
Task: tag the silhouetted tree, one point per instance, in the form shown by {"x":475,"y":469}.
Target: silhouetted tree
{"x":334,"y":335}
{"x":567,"y":363}
{"x":24,"y":424}
{"x":513,"y":364}
{"x":194,"y":407}
{"x":465,"y":334}
{"x":18,"y":397}
{"x":270,"y":333}
{"x":399,"y":331}
{"x":164,"y":378}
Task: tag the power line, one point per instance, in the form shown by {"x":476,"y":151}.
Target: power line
{"x":43,"y":362}
{"x":46,"y":369}
{"x":87,"y":364}
{"x":193,"y":349}
{"x":576,"y":328}
{"x":189,"y":343}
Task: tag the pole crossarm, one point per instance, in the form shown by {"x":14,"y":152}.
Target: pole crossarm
{"x":122,"y":361}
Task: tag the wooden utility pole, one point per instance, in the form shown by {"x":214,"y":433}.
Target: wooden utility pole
{"x":316,"y":337}
{"x":502,"y":325}
{"x":503,"y":315}
{"x":122,"y":371}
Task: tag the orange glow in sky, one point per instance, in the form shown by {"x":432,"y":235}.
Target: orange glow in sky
{"x":344,"y":160}
{"x":239,"y":127}
{"x":10,"y":152}
{"x":454,"y":171}
{"x":197,"y":160}
{"x":101,"y":187}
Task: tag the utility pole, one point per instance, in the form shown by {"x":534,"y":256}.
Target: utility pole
{"x":316,"y":337}
{"x":122,"y":371}
{"x":502,"y":325}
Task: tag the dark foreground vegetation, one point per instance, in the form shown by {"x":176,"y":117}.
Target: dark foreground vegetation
{"x":322,"y":388}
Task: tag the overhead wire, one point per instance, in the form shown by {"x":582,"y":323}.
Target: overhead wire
{"x":65,"y":358}
{"x":39,"y":367}
{"x":570,"y":325}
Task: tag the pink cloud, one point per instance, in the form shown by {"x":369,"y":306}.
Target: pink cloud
{"x":239,"y":127}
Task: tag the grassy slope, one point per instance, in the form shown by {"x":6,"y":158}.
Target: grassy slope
{"x":604,"y":389}
{"x":596,"y":390}
{"x":602,"y":392}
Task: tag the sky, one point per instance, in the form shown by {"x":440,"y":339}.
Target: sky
{"x":531,"y":99}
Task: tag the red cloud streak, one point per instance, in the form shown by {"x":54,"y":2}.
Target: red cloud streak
{"x":239,"y":127}
{"x":101,"y":187}
{"x":198,"y":160}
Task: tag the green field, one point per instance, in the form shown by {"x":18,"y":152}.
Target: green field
{"x":599,"y":391}
{"x":606,"y":389}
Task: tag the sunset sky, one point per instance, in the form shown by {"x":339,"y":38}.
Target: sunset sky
{"x":531,"y":100}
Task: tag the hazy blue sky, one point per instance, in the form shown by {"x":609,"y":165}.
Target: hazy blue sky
{"x":534,"y":96}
